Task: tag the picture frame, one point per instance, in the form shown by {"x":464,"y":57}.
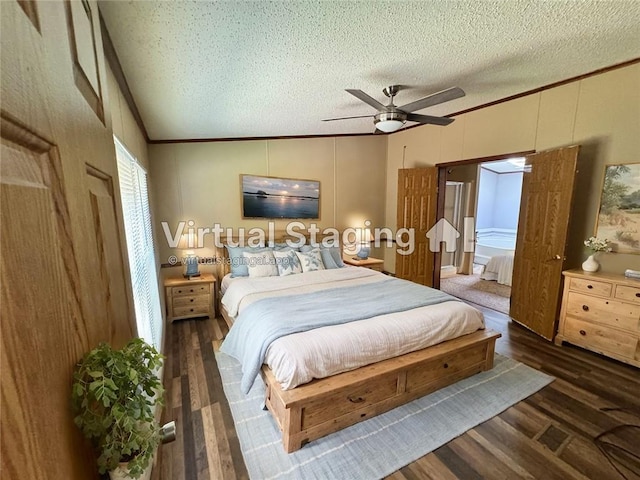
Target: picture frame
{"x":279,"y":198}
{"x":619,"y":212}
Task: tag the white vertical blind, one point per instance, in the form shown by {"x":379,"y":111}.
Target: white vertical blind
{"x":137,"y":223}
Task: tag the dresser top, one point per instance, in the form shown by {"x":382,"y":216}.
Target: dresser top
{"x":611,"y":277}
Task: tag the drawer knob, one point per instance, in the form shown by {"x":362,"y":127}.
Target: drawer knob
{"x":179,"y":291}
{"x":585,"y":308}
{"x":638,"y":294}
{"x":355,"y":400}
{"x":191,"y":300}
{"x":191,"y":310}
{"x":191,"y":290}
{"x":446,"y":365}
{"x":589,"y":287}
{"x":583,"y":333}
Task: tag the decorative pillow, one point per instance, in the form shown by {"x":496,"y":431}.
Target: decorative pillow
{"x":327,"y":259}
{"x":331,"y":256}
{"x":237,"y":262}
{"x":287,"y":262}
{"x":261,"y":264}
{"x":310,"y":260}
{"x":277,"y":246}
{"x":336,"y":254}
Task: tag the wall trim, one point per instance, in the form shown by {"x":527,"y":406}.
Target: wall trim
{"x":112,"y":59}
{"x":491,"y":158}
{"x":246,"y":139}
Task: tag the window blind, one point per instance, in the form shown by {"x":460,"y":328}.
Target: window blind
{"x":142,"y":263}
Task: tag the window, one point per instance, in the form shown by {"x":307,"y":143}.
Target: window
{"x":142,"y":262}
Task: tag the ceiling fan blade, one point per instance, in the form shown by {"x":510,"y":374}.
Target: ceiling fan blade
{"x":346,"y":118}
{"x":429,"y":119}
{"x":435,"y":99}
{"x":368,"y":100}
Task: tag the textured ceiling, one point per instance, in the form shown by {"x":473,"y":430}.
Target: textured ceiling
{"x":253,"y":69}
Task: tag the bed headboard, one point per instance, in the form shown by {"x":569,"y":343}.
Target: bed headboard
{"x":223,"y":265}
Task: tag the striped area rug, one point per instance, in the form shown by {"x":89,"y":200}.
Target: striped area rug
{"x":381,"y":445}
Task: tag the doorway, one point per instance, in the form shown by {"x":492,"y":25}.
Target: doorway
{"x":490,"y":192}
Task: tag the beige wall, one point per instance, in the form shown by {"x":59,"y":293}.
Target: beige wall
{"x":601,"y":113}
{"x":201,"y":181}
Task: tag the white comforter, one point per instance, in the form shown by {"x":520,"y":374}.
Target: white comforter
{"x":298,"y":358}
{"x":500,"y":269}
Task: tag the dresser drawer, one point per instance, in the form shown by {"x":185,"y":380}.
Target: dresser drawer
{"x":191,"y":310}
{"x":602,"y":310}
{"x":190,"y":290}
{"x":191,"y":300}
{"x":630,"y":294}
{"x":349,"y":400}
{"x":599,"y":337}
{"x":592,"y":287}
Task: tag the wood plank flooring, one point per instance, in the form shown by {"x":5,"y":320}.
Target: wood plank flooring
{"x":562,"y":432}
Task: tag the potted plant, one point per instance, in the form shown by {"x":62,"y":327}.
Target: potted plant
{"x":113,"y":397}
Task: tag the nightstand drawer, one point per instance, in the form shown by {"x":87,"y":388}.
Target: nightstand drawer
{"x":592,"y":287}
{"x":191,"y":310}
{"x":191,"y":300}
{"x":630,"y":294}
{"x":600,"y":337}
{"x":603,"y":310}
{"x":190,"y":290}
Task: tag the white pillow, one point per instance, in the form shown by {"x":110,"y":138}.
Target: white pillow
{"x":287,"y":262}
{"x":310,"y":260}
{"x":261,"y":264}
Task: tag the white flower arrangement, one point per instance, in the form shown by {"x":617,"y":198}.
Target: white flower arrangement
{"x":597,"y":245}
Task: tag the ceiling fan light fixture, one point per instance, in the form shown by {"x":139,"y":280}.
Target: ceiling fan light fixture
{"x":389,"y":122}
{"x":389,"y":126}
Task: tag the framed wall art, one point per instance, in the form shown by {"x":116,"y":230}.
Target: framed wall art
{"x":619,"y":214}
{"x":275,"y":197}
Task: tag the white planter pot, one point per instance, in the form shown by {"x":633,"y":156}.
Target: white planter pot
{"x":122,"y":473}
{"x":590,"y":264}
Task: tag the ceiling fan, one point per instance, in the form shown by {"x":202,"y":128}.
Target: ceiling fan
{"x":391,"y":118}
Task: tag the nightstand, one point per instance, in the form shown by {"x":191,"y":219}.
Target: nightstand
{"x":370,"y":263}
{"x":189,"y":298}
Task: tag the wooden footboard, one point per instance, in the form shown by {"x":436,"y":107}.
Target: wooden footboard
{"x":324,"y":406}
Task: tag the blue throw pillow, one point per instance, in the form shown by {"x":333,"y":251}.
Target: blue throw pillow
{"x":331,"y":256}
{"x":239,"y":264}
{"x":327,"y":259}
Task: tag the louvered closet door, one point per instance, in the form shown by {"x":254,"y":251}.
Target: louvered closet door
{"x":59,"y":228}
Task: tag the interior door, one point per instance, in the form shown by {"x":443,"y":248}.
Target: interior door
{"x":547,"y":191}
{"x":60,"y":226}
{"x":417,"y":199}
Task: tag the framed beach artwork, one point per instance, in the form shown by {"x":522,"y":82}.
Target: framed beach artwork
{"x":619,"y":214}
{"x":274,"y":197}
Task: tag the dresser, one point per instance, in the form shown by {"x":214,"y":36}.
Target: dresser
{"x":189,"y":298}
{"x":601,"y":312}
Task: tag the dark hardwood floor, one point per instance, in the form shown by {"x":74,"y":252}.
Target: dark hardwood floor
{"x":586,"y":424}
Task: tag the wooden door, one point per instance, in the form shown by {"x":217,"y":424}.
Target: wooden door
{"x":547,"y":191}
{"x":417,"y":199}
{"x":60,"y":226}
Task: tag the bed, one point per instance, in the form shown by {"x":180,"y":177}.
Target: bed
{"x":500,"y":269}
{"x":318,"y":380}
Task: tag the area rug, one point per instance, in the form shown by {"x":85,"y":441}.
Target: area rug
{"x":381,"y":445}
{"x":483,"y":292}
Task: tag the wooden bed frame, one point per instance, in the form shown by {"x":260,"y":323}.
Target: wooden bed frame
{"x":324,"y":406}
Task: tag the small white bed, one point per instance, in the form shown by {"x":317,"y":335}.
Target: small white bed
{"x":500,"y":269}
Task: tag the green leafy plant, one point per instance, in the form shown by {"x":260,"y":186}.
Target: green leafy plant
{"x":113,"y":397}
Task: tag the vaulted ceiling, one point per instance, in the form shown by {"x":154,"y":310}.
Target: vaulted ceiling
{"x":232,"y":69}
